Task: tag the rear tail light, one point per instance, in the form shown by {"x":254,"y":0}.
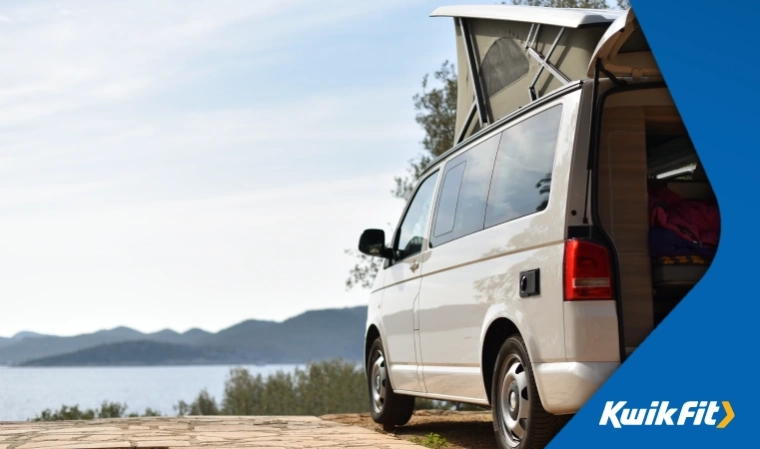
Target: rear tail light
{"x":587,"y":271}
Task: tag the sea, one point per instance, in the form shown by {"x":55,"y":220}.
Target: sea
{"x":25,"y":392}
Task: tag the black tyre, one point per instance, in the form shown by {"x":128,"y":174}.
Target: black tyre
{"x":519,"y":419}
{"x":386,"y":407}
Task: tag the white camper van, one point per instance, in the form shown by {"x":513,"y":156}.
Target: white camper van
{"x":569,"y":218}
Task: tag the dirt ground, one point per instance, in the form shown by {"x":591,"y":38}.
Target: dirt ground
{"x":462,"y":430}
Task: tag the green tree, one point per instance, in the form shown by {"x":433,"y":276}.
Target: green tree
{"x":242,"y":392}
{"x":203,"y":405}
{"x":437,"y":114}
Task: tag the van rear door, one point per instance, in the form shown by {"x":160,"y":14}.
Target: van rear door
{"x":623,"y":50}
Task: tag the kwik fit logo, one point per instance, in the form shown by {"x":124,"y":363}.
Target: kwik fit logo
{"x":661,"y":413}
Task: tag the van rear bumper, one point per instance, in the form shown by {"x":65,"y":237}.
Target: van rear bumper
{"x":565,"y":386}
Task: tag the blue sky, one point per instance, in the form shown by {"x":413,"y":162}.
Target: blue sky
{"x":185,"y":163}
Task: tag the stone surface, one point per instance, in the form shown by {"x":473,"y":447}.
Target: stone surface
{"x":232,"y":432}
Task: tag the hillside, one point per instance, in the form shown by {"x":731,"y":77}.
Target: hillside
{"x":34,"y":348}
{"x":313,"y":335}
{"x":5,"y":341}
{"x":136,"y":353}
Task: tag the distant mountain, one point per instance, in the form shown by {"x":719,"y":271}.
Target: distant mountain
{"x":26,"y":334}
{"x":138,"y":353}
{"x":4,"y":341}
{"x":314,"y":335}
{"x":34,"y":348}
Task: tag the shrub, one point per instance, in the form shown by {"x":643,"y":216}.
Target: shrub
{"x":333,"y":386}
{"x":433,"y":441}
{"x":107,"y":410}
{"x":203,"y":404}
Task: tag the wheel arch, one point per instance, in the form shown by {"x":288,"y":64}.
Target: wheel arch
{"x":372,"y":334}
{"x":498,"y":332}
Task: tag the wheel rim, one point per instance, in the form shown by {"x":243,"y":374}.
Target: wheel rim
{"x":378,"y":380}
{"x":514,"y":401}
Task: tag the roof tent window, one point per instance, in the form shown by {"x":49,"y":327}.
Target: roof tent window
{"x":504,"y":63}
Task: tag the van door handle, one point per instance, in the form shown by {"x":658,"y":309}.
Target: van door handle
{"x":414,"y":266}
{"x":530,"y":283}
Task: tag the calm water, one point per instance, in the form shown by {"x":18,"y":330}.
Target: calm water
{"x":24,"y":392}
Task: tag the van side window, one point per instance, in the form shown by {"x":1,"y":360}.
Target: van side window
{"x":447,"y":204}
{"x":523,"y":172}
{"x":461,"y":205}
{"x":412,"y":230}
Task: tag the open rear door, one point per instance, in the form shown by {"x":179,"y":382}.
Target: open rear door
{"x":623,"y":50}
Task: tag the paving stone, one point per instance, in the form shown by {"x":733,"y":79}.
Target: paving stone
{"x":103,"y":445}
{"x":234,"y":432}
{"x":163,"y":443}
{"x":206,"y":438}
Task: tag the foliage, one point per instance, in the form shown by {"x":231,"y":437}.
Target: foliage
{"x":149,"y":412}
{"x":107,"y":410}
{"x":364,"y":272}
{"x":333,"y":386}
{"x":204,"y":404}
{"x":432,"y":440}
{"x":436,"y":114}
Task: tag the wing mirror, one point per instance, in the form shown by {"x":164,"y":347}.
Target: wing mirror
{"x":372,"y":243}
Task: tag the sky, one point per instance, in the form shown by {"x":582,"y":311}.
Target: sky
{"x":181,"y":164}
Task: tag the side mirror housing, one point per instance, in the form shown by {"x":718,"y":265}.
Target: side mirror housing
{"x":372,"y":243}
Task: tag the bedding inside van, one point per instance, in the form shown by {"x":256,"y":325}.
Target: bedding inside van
{"x":684,"y":221}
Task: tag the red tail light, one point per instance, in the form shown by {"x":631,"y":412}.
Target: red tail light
{"x":587,"y":271}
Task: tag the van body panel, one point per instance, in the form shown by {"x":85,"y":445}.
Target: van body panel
{"x":466,"y":280}
{"x":397,"y":311}
{"x":400,"y":300}
{"x":591,"y":331}
{"x":565,"y":387}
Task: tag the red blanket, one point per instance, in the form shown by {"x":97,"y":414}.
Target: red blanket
{"x":697,"y":221}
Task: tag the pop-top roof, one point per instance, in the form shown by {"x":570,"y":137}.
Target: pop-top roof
{"x":509,"y":56}
{"x":563,"y":17}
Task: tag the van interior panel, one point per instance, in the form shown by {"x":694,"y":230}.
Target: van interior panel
{"x":623,"y":210}
{"x":645,"y":148}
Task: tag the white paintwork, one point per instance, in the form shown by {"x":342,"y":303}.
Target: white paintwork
{"x":630,"y":64}
{"x":475,"y":277}
{"x":398,"y":300}
{"x":591,"y":329}
{"x":564,"y":387}
{"x":565,"y":17}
